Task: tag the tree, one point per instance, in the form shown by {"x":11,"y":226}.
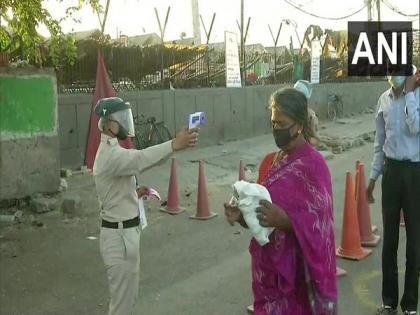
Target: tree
{"x":19,"y":20}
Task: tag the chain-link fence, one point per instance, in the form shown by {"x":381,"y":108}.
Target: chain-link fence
{"x":181,"y":66}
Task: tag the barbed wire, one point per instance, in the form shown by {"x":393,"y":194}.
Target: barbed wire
{"x":396,"y":10}
{"x":298,"y":7}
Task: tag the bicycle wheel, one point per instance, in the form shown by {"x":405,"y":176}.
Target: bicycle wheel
{"x":340,"y":109}
{"x":159,"y":134}
{"x":331,"y":112}
{"x":140,"y":142}
{"x":165,"y":134}
{"x":155,"y":137}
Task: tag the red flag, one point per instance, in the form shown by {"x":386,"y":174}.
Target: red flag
{"x":103,"y":88}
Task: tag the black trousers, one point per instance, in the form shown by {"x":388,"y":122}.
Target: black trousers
{"x":401,"y":190}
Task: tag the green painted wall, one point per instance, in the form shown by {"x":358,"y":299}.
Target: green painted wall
{"x":27,"y":104}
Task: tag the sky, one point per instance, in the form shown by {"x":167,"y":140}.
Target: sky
{"x":136,"y":17}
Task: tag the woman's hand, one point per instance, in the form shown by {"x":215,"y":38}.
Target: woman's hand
{"x":233,"y":214}
{"x":271,"y":215}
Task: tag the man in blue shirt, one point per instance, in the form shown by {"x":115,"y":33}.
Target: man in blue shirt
{"x":397,"y":158}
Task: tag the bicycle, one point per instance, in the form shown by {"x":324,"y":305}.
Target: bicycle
{"x":148,"y":132}
{"x":335,"y":107}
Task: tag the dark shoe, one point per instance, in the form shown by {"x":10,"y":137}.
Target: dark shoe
{"x":386,"y":310}
{"x":410,"y":313}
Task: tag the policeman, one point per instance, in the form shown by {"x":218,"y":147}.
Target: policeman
{"x":397,"y":159}
{"x":114,"y":171}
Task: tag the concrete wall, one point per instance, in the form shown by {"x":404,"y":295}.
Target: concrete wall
{"x":356,"y":96}
{"x":29,"y":143}
{"x":231,"y":113}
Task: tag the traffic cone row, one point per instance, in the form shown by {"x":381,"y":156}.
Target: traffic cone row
{"x":357,"y":229}
{"x":202,"y":212}
{"x":351,"y":247}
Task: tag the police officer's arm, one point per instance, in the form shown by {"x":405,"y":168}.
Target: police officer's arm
{"x":130,"y":162}
{"x":412,"y":107}
{"x":379,"y":155}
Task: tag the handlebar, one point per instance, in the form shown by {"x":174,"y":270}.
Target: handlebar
{"x":141,"y":119}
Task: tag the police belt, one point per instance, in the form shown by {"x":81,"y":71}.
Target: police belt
{"x":126,"y":224}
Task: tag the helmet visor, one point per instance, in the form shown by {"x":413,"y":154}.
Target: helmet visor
{"x":125,"y":119}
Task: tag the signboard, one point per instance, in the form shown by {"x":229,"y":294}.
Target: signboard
{"x":316,"y":51}
{"x":233,"y":72}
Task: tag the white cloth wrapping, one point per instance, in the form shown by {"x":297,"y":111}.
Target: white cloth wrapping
{"x":247,"y":196}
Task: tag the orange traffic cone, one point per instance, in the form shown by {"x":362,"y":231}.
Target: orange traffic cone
{"x":402,"y":222}
{"x":172,"y":207}
{"x":350,"y":240}
{"x":374,"y":228}
{"x":203,"y":212}
{"x":340,"y":272}
{"x":241,"y":170}
{"x":367,"y":238}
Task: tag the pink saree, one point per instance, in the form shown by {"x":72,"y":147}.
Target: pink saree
{"x":294,"y":274}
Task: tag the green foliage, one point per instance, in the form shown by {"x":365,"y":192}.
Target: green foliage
{"x":19,"y":20}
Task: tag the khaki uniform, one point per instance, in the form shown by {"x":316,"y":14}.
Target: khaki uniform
{"x":114,"y":171}
{"x":313,"y":121}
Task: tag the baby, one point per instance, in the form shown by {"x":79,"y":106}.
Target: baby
{"x":246,"y":197}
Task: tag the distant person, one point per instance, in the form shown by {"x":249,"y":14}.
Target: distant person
{"x":397,"y":158}
{"x":295,"y":273}
{"x":114,"y":171}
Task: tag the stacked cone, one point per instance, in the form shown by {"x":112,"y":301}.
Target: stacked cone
{"x":203,"y":212}
{"x":356,"y":190}
{"x":367,"y":237}
{"x":172,"y":206}
{"x":351,"y":247}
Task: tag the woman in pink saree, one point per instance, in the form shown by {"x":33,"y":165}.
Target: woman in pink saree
{"x":295,"y":273}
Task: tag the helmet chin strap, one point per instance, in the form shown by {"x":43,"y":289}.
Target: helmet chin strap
{"x":113,"y":133}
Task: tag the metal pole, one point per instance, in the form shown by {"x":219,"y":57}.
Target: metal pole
{"x":275,"y":40}
{"x":244,"y":55}
{"x":161,"y":48}
{"x":378,"y":7}
{"x":105,"y":16}
{"x":208,"y":51}
{"x":211,"y":27}
{"x":208,"y":34}
{"x":242,"y":42}
{"x":369,"y":8}
{"x":162,"y":35}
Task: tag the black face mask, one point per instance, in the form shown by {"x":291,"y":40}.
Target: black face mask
{"x":122,"y":133}
{"x":282,"y":136}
